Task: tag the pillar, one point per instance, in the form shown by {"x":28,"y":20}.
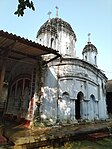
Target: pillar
{"x":2,"y":73}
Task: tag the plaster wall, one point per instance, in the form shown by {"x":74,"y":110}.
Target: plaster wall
{"x":49,"y":98}
{"x":64,"y":42}
{"x":60,"y":92}
{"x":91,"y":57}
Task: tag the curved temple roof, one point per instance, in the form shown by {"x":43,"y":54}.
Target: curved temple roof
{"x":89,"y":47}
{"x":55,"y":24}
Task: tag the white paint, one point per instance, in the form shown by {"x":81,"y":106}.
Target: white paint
{"x":64,"y":80}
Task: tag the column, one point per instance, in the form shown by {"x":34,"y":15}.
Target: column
{"x":2,"y":73}
{"x":87,"y":98}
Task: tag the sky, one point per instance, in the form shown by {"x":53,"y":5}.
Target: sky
{"x":84,"y":16}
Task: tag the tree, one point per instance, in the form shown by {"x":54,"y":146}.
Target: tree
{"x":22,"y":5}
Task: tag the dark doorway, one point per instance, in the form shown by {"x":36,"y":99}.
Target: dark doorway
{"x":109,"y":102}
{"x":80,"y":97}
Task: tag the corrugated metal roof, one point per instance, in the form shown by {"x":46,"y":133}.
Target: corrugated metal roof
{"x":19,"y":47}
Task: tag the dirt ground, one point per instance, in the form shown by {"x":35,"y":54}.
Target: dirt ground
{"x":63,"y":137}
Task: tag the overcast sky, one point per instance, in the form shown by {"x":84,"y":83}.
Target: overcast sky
{"x":84,"y":16}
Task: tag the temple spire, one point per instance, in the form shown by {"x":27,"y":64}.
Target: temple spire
{"x":49,"y":13}
{"x":56,"y":11}
{"x":89,"y":34}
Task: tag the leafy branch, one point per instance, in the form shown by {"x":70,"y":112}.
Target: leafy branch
{"x":23,"y":4}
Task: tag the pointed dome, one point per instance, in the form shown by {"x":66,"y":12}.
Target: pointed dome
{"x":89,"y":48}
{"x":59,"y":35}
{"x":90,"y":53}
{"x":54,"y":24}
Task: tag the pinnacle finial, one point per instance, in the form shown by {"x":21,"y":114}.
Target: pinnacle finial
{"x":89,"y":34}
{"x":49,"y":13}
{"x":56,"y":11}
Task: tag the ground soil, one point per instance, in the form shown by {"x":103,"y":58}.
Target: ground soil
{"x":75,"y":136}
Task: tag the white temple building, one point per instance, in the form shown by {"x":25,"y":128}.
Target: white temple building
{"x":73,"y":89}
{"x":49,"y":86}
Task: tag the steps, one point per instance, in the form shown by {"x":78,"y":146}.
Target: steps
{"x":97,"y":136}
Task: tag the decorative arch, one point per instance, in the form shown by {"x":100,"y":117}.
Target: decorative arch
{"x":19,"y":96}
{"x":94,"y":107}
{"x":64,"y":107}
{"x":80,"y":97}
{"x":92,"y":97}
{"x":65,"y":94}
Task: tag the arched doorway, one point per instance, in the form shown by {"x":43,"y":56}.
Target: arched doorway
{"x":109,"y":103}
{"x":80,"y":97}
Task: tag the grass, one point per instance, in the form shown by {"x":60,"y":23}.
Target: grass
{"x":105,"y":143}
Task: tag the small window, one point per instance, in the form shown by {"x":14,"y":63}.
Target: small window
{"x":65,"y":94}
{"x":95,"y":59}
{"x":93,"y":98}
{"x":52,"y":39}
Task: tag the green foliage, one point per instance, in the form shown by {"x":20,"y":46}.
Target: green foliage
{"x":22,"y":5}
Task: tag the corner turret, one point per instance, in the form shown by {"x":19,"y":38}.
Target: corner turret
{"x":90,"y":52}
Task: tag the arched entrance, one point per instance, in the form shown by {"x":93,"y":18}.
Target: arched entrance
{"x":109,"y":103}
{"x":80,"y":97}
